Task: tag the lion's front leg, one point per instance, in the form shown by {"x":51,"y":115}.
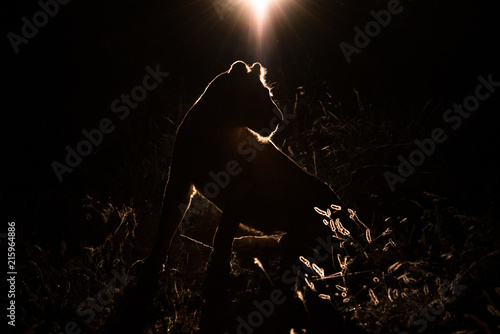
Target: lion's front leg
{"x":219,"y":266}
{"x":176,"y":202}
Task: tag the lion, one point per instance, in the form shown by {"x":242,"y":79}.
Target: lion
{"x":224,"y":150}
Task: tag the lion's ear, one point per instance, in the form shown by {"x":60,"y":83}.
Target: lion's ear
{"x":259,"y":72}
{"x":239,"y":68}
{"x":256,"y":69}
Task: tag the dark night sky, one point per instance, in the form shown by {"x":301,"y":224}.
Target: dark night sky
{"x":90,"y":52}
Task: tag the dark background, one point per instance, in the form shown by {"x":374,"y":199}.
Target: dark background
{"x":65,"y":78}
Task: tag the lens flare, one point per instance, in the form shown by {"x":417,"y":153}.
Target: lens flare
{"x":260,"y":8}
{"x":260,"y":26}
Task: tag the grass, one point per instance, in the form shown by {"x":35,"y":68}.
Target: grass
{"x":435,"y":237}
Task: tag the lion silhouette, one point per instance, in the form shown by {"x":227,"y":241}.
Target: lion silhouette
{"x":223,"y":150}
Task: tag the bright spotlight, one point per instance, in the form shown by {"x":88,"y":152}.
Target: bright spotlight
{"x":258,"y":16}
{"x":260,"y":12}
{"x":260,"y":8}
